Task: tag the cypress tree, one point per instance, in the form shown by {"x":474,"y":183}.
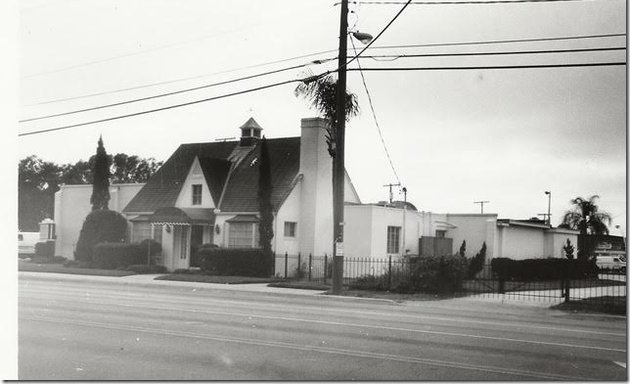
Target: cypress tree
{"x":100,"y":186}
{"x":265,"y":229}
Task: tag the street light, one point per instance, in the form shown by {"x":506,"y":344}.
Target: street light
{"x":363,"y":37}
{"x":549,"y":208}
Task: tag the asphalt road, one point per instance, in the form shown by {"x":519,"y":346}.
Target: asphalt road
{"x":85,"y":330}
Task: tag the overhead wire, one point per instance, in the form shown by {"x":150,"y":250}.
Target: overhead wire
{"x":378,"y":127}
{"x":162,"y":108}
{"x":528,"y":66}
{"x":174,"y":92}
{"x":466,"y":2}
{"x":448,"y":44}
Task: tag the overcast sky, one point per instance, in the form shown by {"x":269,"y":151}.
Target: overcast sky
{"x":455,"y":137}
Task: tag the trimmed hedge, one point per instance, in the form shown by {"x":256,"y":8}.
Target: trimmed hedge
{"x":100,"y":226}
{"x":235,"y":262}
{"x":438,"y":274}
{"x":45,"y":249}
{"x":542,"y":269}
{"x":117,"y":255}
{"x":150,"y":245}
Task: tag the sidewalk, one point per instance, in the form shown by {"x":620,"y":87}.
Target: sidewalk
{"x":149,"y":281}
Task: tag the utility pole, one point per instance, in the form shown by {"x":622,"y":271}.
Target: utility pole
{"x":482,"y":203}
{"x":338,"y":161}
{"x":404,"y":250}
{"x":391,"y":193}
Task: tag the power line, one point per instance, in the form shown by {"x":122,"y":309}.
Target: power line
{"x":508,"y":41}
{"x":181,"y":79}
{"x":482,"y":42}
{"x":568,"y":65}
{"x":172,"y":93}
{"x":379,"y":34}
{"x":310,"y":78}
{"x":480,"y":2}
{"x":499,"y":53}
{"x":162,"y":108}
{"x":378,"y":127}
{"x":394,"y":57}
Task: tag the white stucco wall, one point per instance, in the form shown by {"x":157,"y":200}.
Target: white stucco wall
{"x":475,"y":229}
{"x":556,"y":239}
{"x":289,"y":211}
{"x":520,"y":243}
{"x":72,"y":205}
{"x":195,"y":176}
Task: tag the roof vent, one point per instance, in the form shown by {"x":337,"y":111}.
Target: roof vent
{"x":250,"y":132}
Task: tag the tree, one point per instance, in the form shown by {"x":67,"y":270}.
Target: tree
{"x":462,"y":249}
{"x":38,"y":181}
{"x":265,"y":207}
{"x":586,"y":217}
{"x":476,"y":263}
{"x":132,"y":169}
{"x":568,"y":250}
{"x":100,"y":185}
{"x":321,"y":93}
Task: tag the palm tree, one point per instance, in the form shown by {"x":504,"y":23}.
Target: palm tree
{"x":321,"y":93}
{"x":586,"y":217}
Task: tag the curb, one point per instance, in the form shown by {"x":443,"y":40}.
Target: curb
{"x":163,"y":284}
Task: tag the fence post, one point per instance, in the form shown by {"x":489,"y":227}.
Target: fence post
{"x":501,"y":285}
{"x":286,"y":261}
{"x":567,"y":295}
{"x":389,"y":278}
{"x":325,"y":266}
{"x":299,"y":267}
{"x":310,"y":266}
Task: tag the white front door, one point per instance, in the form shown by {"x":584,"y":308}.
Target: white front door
{"x":181,"y":247}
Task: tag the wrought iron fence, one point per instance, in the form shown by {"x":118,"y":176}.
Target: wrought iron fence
{"x":395,"y":273}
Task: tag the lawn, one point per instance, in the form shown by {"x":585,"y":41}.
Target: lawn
{"x":201,"y":278}
{"x":487,"y":285}
{"x":60,"y":268}
{"x":605,"y":304}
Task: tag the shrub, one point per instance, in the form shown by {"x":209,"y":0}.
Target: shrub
{"x":100,"y":226}
{"x":77,"y":264}
{"x":237,"y":262}
{"x":542,"y":269}
{"x":143,"y":268}
{"x":369,"y":282}
{"x":438,"y":274}
{"x":116,"y":255}
{"x":45,"y":249}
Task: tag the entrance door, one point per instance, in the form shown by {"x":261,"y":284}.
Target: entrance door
{"x":181,"y":247}
{"x":196,"y":239}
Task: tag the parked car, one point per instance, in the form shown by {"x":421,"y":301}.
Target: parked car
{"x":26,"y":243}
{"x":611,"y":263}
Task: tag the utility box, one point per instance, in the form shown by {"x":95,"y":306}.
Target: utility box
{"x":435,"y":246}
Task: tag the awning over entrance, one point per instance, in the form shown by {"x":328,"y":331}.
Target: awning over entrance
{"x":243,"y":219}
{"x":183,"y":216}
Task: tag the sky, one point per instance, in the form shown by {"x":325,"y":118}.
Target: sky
{"x":454,"y":136}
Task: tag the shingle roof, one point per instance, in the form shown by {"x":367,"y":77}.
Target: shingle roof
{"x":162,"y":189}
{"x":241,"y":192}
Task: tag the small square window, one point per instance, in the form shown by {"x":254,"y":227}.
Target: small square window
{"x":289,"y":228}
{"x":440,"y":234}
{"x":393,"y":239}
{"x":196,"y":194}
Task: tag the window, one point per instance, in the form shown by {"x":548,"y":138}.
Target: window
{"x":141,"y":230}
{"x":393,"y":239}
{"x":440,"y":234}
{"x":289,"y":228}
{"x":20,"y":237}
{"x":243,"y":235}
{"x":183,"y":252}
{"x":196,"y":194}
{"x":157,"y":233}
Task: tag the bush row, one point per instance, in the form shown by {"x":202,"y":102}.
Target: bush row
{"x":231,"y":261}
{"x":45,"y":249}
{"x":117,"y":255}
{"x":542,"y":269}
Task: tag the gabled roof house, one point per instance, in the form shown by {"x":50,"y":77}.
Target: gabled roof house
{"x":207,"y":193}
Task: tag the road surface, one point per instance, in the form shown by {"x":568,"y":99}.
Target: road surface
{"x":100,"y":330}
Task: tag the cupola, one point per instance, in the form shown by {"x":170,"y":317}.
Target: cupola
{"x":250,"y":132}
